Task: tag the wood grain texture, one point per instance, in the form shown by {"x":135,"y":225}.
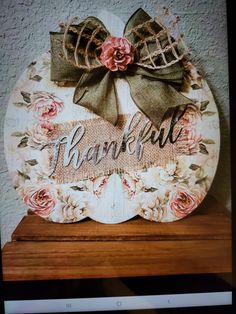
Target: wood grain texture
{"x":71,"y":260}
{"x":201,"y":243}
{"x":209,"y":221}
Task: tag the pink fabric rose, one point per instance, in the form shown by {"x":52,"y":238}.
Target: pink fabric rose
{"x":116,"y":54}
{"x":46,"y":105}
{"x":183,"y":201}
{"x":40,"y":201}
{"x":188,"y":142}
{"x":39,"y":135}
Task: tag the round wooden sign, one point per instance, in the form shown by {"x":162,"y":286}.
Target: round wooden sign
{"x":68,"y":164}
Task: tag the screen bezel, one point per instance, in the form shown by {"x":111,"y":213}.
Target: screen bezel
{"x":30,"y":289}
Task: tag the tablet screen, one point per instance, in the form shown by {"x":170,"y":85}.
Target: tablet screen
{"x":134,"y":216}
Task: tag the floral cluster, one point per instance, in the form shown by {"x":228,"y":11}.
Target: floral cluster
{"x":170,"y":192}
{"x":46,"y":107}
{"x":190,"y":137}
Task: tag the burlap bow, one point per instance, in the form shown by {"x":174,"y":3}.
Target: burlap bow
{"x":152,"y":67}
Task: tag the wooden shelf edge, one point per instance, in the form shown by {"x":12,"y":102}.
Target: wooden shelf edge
{"x":74,"y":260}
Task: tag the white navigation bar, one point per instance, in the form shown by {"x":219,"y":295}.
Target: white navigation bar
{"x":118,"y":303}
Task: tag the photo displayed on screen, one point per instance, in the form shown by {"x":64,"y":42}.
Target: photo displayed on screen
{"x":116,"y":156}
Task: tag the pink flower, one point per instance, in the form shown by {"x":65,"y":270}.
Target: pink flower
{"x":46,"y":105}
{"x":40,"y":201}
{"x":183,"y":201}
{"x":99,"y":185}
{"x":188,"y":142}
{"x":116,"y":54}
{"x":39,"y":135}
{"x":129,"y":183}
{"x":49,"y":127}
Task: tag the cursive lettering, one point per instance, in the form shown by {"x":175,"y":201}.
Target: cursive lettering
{"x":136,"y":133}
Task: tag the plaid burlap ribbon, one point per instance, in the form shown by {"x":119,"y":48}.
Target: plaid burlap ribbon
{"x":147,"y":57}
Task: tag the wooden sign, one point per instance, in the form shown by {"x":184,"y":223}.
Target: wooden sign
{"x":68,"y":163}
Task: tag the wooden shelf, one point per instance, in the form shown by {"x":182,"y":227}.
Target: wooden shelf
{"x":200,"y":243}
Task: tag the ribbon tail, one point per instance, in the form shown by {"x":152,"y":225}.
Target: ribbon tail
{"x":96,"y":92}
{"x":154,"y":97}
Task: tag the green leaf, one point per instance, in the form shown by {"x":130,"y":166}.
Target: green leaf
{"x":194,"y":167}
{"x":20,"y":104}
{"x":18,"y":134}
{"x":203,"y":149}
{"x":208,"y":113}
{"x":32,"y":162}
{"x":196,"y":86}
{"x":77,"y":188}
{"x":23,"y":175}
{"x":149,"y":189}
{"x":208,"y":141}
{"x":204,"y":105}
{"x":23,"y":142}
{"x":201,"y":180}
{"x":26,"y":96}
{"x":36,"y":78}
